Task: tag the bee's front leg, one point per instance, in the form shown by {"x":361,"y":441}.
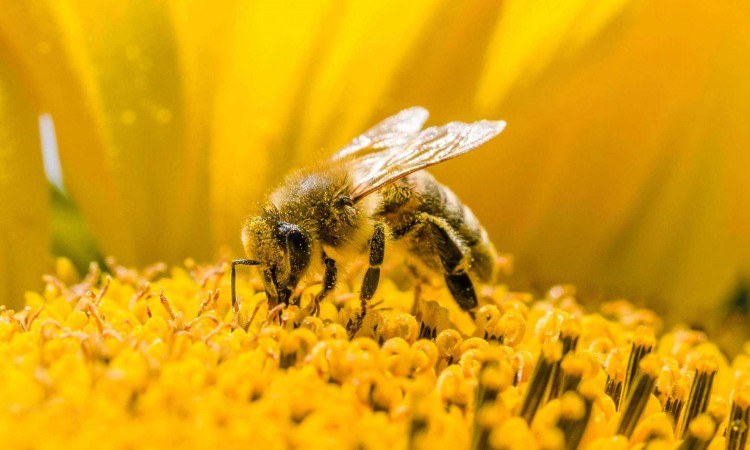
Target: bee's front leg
{"x":329,"y":283}
{"x":244,"y":262}
{"x":372,"y":276}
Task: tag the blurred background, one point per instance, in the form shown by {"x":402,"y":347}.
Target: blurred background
{"x":148,"y":130}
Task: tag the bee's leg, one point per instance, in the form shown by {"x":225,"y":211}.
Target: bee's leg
{"x":453,"y":259}
{"x":329,"y":282}
{"x":372,"y":276}
{"x":244,"y":262}
{"x":451,"y":253}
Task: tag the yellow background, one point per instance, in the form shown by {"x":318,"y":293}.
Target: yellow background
{"x":623,"y":168}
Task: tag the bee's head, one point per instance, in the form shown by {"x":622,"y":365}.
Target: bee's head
{"x":284,"y":251}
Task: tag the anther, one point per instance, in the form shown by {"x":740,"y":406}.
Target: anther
{"x":550,"y":355}
{"x":615,"y":369}
{"x":676,"y":400}
{"x":494,"y":377}
{"x":700,"y":391}
{"x":700,"y":433}
{"x":643,"y":342}
{"x":638,"y":395}
{"x":575,"y":411}
{"x":570,"y":330}
{"x":739,"y":420}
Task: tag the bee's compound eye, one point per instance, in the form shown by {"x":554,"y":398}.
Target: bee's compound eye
{"x":296,"y":239}
{"x":297,"y":243}
{"x":299,"y":249}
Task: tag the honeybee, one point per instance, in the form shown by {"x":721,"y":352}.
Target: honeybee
{"x":371,"y":193}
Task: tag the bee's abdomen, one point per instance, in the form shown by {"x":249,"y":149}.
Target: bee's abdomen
{"x":419,"y":194}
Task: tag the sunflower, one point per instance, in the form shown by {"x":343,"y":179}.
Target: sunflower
{"x":162,"y":357}
{"x":623,"y":167}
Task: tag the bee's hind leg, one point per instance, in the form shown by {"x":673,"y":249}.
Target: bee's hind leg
{"x":452,"y":255}
{"x":372,"y":276}
{"x":453,"y":258}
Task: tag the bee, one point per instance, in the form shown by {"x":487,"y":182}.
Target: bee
{"x":372,"y":193}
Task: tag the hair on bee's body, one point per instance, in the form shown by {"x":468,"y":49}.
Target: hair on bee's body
{"x":318,"y":201}
{"x":372,"y":191}
{"x":410,"y":207}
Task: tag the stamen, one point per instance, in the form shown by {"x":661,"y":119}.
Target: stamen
{"x":453,"y":388}
{"x":643,"y":343}
{"x":684,"y":341}
{"x":700,"y":391}
{"x":739,"y":420}
{"x":296,"y":345}
{"x":670,"y":373}
{"x":493,"y":379}
{"x":570,"y":330}
{"x":522,"y":364}
{"x":167,"y":306}
{"x":449,"y":347}
{"x":653,"y":427}
{"x":615,"y":375}
{"x":575,"y":410}
{"x":700,"y":433}
{"x":676,"y":400}
{"x":433,"y":320}
{"x":488,"y":323}
{"x":513,"y":328}
{"x":639,"y":394}
{"x":419,"y":422}
{"x":573,"y":368}
{"x":551,"y":354}
{"x":103,"y":290}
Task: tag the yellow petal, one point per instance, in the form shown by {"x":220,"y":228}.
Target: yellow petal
{"x":443,"y":69}
{"x":204,"y":32}
{"x":257,"y":101}
{"x":45,"y":40}
{"x":619,"y":165}
{"x":367,"y":46}
{"x":532,"y":35}
{"x":134,"y":63}
{"x":133,"y":156}
{"x":24,"y":197}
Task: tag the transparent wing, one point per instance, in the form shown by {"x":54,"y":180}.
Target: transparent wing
{"x":392,"y":132}
{"x":431,"y":146}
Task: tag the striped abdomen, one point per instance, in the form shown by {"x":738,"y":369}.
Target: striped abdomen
{"x":411,"y":202}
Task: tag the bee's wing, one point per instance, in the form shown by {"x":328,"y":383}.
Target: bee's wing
{"x":391,"y":132}
{"x":431,"y":146}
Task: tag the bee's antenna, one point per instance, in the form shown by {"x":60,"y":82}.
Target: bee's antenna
{"x":244,"y":262}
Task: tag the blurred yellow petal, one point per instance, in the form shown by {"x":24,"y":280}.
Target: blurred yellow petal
{"x":45,"y":41}
{"x":24,"y":201}
{"x":134,"y":63}
{"x":204,"y":32}
{"x":257,"y":99}
{"x":112,"y":78}
{"x":349,"y":86}
{"x":616,"y":167}
{"x":445,"y":65}
{"x":533,"y":34}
